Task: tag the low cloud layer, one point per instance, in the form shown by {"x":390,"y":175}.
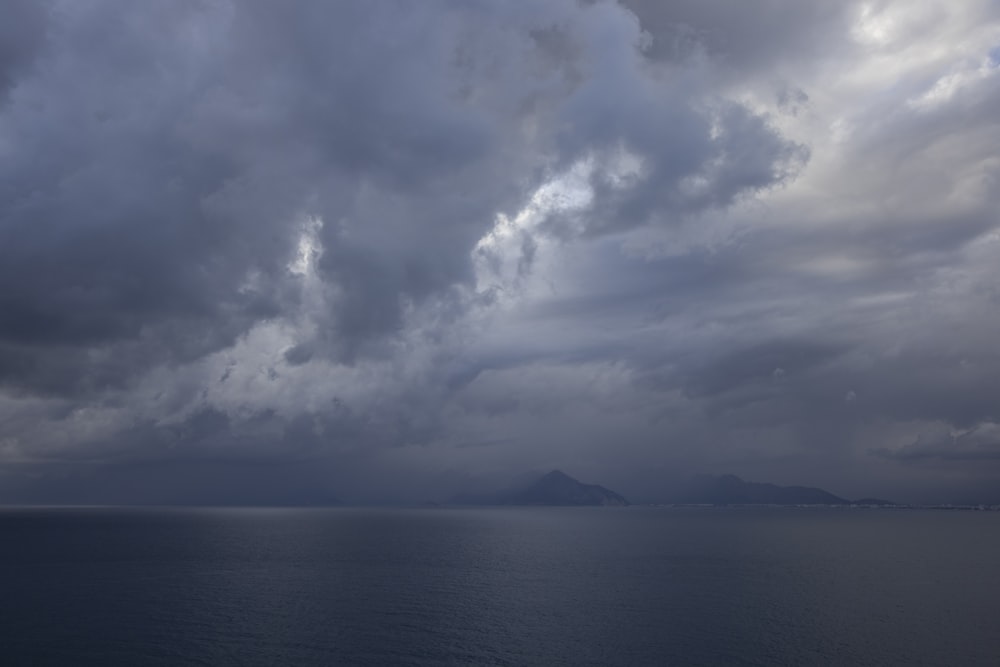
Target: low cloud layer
{"x":390,"y":251}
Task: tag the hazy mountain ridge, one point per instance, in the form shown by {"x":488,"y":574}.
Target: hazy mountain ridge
{"x":732,"y":490}
{"x":555,"y":488}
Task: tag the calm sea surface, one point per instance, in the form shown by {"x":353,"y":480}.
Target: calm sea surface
{"x":541,"y":586}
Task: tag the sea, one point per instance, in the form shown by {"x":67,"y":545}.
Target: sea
{"x":499,"y":586}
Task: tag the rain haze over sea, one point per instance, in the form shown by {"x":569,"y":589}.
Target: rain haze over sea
{"x":388,"y":252}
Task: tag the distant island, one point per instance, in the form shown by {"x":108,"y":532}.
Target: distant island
{"x":555,"y":488}
{"x":731,"y":490}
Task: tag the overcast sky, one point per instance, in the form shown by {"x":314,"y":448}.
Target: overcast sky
{"x":386,"y":251}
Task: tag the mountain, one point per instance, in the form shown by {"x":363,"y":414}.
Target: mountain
{"x":558,"y":488}
{"x":554,"y":488}
{"x":731,"y":490}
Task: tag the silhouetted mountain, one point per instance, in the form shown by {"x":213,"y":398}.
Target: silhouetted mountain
{"x":554,"y":488}
{"x":731,"y":490}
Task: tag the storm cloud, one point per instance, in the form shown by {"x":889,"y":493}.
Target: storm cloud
{"x":388,"y":251}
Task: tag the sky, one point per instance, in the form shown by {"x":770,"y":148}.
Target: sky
{"x":268,"y":253}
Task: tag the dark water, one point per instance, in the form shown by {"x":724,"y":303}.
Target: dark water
{"x":499,"y":587}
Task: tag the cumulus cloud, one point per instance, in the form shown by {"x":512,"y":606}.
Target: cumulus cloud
{"x":389,"y":249}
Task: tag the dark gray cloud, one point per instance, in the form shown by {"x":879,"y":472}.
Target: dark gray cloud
{"x":253,"y":252}
{"x":745,"y":36}
{"x":21,"y":39}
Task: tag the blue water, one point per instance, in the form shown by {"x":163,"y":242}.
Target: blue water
{"x":517,"y":586}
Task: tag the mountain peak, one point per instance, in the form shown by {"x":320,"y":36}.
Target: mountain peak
{"x":558,"y":488}
{"x":553,"y":488}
